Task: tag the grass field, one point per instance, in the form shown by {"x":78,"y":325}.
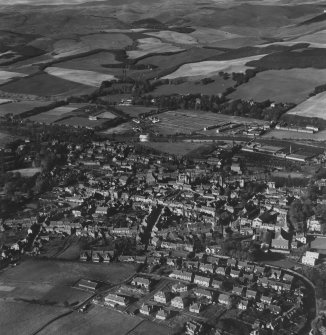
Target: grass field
{"x":16,"y":317}
{"x":54,"y":272}
{"x":91,"y":62}
{"x":152,"y":45}
{"x":120,"y":129}
{"x":176,"y":148}
{"x":89,"y":78}
{"x":17,"y":108}
{"x":313,"y":107}
{"x":193,"y":87}
{"x":292,"y":85}
{"x":106,"y":115}
{"x":147,"y":327}
{"x":211,"y":68}
{"x":44,"y":84}
{"x":97,"y":320}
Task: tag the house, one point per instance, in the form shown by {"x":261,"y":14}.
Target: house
{"x":266,"y":300}
{"x":280,"y":244}
{"x":162,"y":314}
{"x":310,"y":258}
{"x":199,"y":292}
{"x":114,"y":299}
{"x":171,"y":261}
{"x":195,"y":308}
{"x":86,"y":255}
{"x":217,"y":284}
{"x":260,"y":306}
{"x":206,"y":268}
{"x":182,"y":275}
{"x":288,"y":278}
{"x":232,"y":262}
{"x":242,"y":265}
{"x":162,"y":297}
{"x":179,"y":287}
{"x":224,"y":299}
{"x":101,"y":210}
{"x":276,"y":274}
{"x":202,"y":281}
{"x":251,"y":294}
{"x":178,"y":302}
{"x":264,"y":282}
{"x":146,"y":309}
{"x":193,"y":328}
{"x":238,"y":291}
{"x":243,"y":305}
{"x":156,"y":242}
{"x":221,"y":271}
{"x":276,"y":310}
{"x":235,"y":273}
{"x":142,"y":282}
{"x":259,"y":270}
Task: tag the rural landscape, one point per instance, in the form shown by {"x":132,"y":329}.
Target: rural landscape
{"x":163,"y":167}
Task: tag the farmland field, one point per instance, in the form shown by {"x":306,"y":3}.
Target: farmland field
{"x":211,"y":68}
{"x":121,"y":128}
{"x":313,"y":107}
{"x":91,"y":62}
{"x":17,"y":108}
{"x":56,"y":114}
{"x":44,"y":84}
{"x":16,"y":316}
{"x":69,"y":47}
{"x":187,"y":56}
{"x":152,"y":45}
{"x":83,"y":122}
{"x":173,"y":37}
{"x":283,"y":134}
{"x":5,"y":138}
{"x":98,"y":320}
{"x":89,"y":78}
{"x":292,"y":85}
{"x":106,"y":115}
{"x":6,"y":76}
{"x":192,"y":87}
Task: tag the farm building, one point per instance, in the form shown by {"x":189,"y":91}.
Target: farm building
{"x":88,"y":285}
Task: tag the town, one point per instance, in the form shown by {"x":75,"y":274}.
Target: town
{"x":218,"y":249}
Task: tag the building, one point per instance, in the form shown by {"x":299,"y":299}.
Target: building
{"x":182,"y":275}
{"x":162,"y":314}
{"x":178,"y":302}
{"x":238,"y":291}
{"x":217,"y":284}
{"x":142,"y":282}
{"x":88,"y":285}
{"x":251,"y":294}
{"x":115,"y":299}
{"x":202,"y":281}
{"x":162,"y":297}
{"x":179,"y":287}
{"x":195,"y":308}
{"x":193,"y":328}
{"x":243,"y":305}
{"x":201,"y":293}
{"x":224,"y":299}
{"x":146,"y":309}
